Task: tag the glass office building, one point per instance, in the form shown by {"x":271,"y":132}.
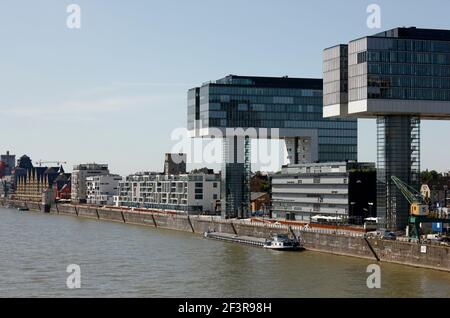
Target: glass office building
{"x":292,"y":106}
{"x":399,"y":76}
{"x":398,"y":154}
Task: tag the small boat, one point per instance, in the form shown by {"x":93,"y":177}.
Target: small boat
{"x":282,"y":242}
{"x":23,"y":209}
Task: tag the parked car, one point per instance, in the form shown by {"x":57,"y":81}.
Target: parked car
{"x":389,"y":236}
{"x":444,"y":240}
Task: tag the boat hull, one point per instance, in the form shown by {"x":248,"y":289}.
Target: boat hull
{"x":285,"y":248}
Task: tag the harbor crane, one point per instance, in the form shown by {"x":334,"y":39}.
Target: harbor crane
{"x":419,"y":211}
{"x":419,"y":207}
{"x":58,"y":163}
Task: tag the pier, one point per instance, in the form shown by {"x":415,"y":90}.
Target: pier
{"x":247,"y":240}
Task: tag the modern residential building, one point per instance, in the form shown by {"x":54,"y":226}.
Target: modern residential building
{"x":79,"y":175}
{"x":100,"y":190}
{"x":9,"y":161}
{"x":175,"y":163}
{"x":337,"y":189}
{"x":191,"y":193}
{"x":399,"y":77}
{"x":269,"y":107}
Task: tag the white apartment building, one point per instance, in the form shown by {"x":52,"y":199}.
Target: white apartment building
{"x":100,"y":190}
{"x":193,"y":193}
{"x":80,"y":174}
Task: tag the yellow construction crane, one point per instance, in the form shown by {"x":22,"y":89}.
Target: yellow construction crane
{"x":419,"y":207}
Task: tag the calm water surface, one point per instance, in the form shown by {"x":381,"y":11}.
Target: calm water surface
{"x":119,"y":260}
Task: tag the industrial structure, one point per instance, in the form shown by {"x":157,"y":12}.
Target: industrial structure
{"x":239,"y":108}
{"x":419,"y":209}
{"x":399,"y":77}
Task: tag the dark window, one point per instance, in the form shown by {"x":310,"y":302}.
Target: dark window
{"x":362,"y":57}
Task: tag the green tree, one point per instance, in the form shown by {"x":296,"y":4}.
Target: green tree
{"x":429,"y":176}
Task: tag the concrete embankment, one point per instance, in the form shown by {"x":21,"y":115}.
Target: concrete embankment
{"x":406,"y":253}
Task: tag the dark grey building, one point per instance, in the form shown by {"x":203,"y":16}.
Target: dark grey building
{"x":175,"y":163}
{"x":399,"y":77}
{"x":10,"y":162}
{"x":293,"y":107}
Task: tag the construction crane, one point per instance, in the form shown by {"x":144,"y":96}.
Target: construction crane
{"x":419,"y":207}
{"x":58,"y":163}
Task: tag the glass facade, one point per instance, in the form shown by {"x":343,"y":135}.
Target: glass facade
{"x":236,"y":102}
{"x":292,"y":105}
{"x":397,"y":76}
{"x":193,"y":107}
{"x":335,"y":79}
{"x":236,"y":175}
{"x":396,"y":68}
{"x":398,"y":142}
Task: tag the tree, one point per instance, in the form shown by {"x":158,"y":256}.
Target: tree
{"x":428,"y":177}
{"x":260,"y":183}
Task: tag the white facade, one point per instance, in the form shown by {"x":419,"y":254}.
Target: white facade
{"x":307,"y":190}
{"x":194,"y":193}
{"x":100,"y":190}
{"x":80,"y":174}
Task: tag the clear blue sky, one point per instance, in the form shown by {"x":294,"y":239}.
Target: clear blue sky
{"x":115,"y":89}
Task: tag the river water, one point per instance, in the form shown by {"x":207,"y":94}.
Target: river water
{"x":122,"y":260}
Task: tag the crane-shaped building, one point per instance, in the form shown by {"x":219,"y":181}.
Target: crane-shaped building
{"x":400,"y":77}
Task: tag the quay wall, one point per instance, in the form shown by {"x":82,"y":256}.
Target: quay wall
{"x":355,"y":245}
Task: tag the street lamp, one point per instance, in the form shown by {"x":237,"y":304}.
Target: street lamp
{"x":370,"y":207}
{"x":352,"y":209}
{"x":336,"y":221}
